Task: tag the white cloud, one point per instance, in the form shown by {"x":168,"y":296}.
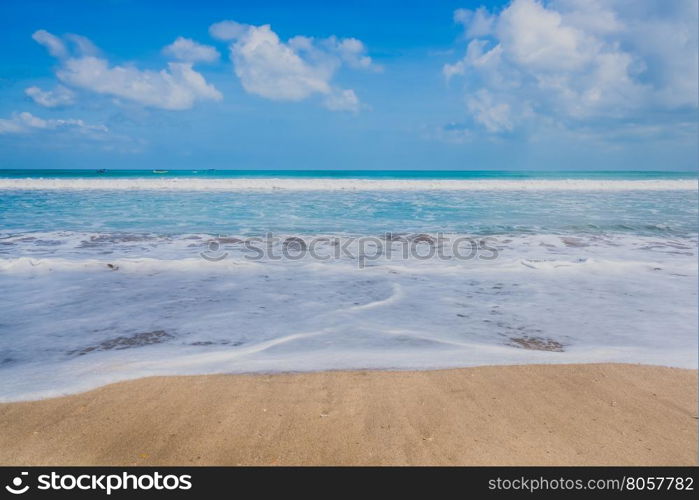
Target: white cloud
{"x":568,"y":63}
{"x":188,"y":50}
{"x":477,"y":22}
{"x":352,"y":52}
{"x":275,"y":70}
{"x":292,"y":70}
{"x":69,"y":133}
{"x":228,"y":30}
{"x":83,"y":45}
{"x":175,"y":88}
{"x":26,"y":122}
{"x":342,"y":100}
{"x":60,"y":96}
{"x":53,"y":44}
{"x":495,"y":116}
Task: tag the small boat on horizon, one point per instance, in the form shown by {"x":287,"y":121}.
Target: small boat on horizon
{"x":102,"y":171}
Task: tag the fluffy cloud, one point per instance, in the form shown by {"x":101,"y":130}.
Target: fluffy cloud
{"x":569,"y":63}
{"x":293,"y":70}
{"x":60,"y":96}
{"x":25,"y":122}
{"x":53,"y":44}
{"x":494,"y":116}
{"x":352,"y":52}
{"x":175,"y":88}
{"x":228,"y":30}
{"x":342,"y":100}
{"x":477,"y":22}
{"x":188,"y":50}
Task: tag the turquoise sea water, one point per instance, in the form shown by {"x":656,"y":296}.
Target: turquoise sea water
{"x":120,"y":274}
{"x":251,"y":213}
{"x":92,"y":201}
{"x":350,"y":174}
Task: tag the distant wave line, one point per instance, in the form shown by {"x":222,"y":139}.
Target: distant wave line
{"x":321,"y":184}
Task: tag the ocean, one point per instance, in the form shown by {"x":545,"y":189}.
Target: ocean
{"x":120,"y":274}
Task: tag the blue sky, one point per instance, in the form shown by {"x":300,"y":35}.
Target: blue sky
{"x":526,"y":84}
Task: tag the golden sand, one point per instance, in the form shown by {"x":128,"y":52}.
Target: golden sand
{"x":538,"y":414}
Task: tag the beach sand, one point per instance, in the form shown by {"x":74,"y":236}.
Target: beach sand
{"x":495,"y":415}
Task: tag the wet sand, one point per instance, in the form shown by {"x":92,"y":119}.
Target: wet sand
{"x":597,"y":414}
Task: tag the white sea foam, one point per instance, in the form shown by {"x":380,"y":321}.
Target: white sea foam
{"x":322,"y":184}
{"x":70,"y":322}
{"x":68,"y":250}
